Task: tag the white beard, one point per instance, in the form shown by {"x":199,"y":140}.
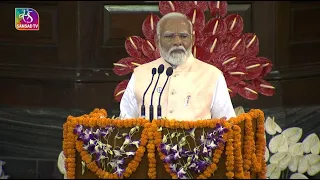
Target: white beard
{"x":175,"y":58}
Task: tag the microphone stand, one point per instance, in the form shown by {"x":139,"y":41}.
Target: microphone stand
{"x":143,"y":108}
{"x":169,"y":73}
{"x":160,"y":71}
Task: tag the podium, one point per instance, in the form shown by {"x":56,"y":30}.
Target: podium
{"x":97,"y":147}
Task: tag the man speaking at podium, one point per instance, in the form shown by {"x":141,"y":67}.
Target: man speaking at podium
{"x":177,"y":85}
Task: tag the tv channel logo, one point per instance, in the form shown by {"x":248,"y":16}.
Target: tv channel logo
{"x":27,"y":19}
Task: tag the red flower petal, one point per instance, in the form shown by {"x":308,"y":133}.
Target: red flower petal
{"x":218,"y":8}
{"x":212,"y":44}
{"x":236,"y":46}
{"x":183,"y":7}
{"x":119,"y":91}
{"x":157,"y":54}
{"x":239,"y":71}
{"x":133,"y":46}
{"x":251,"y":43}
{"x":233,"y":90}
{"x":201,"y":54}
{"x":200,"y":5}
{"x":234,"y":25}
{"x":197,"y":18}
{"x":229,"y":62}
{"x":198,"y":38}
{"x":266,"y":64}
{"x":148,"y":49}
{"x":139,"y":61}
{"x":253,"y":67}
{"x":264,"y":87}
{"x":123,"y":66}
{"x":247,"y":91}
{"x":166,"y":7}
{"x":149,"y":26}
{"x":215,"y":26}
{"x":231,"y":80}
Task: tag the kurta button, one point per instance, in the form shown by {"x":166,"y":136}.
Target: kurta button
{"x":171,"y":111}
{"x":173,"y":92}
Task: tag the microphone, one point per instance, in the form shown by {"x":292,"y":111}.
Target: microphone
{"x":143,"y":108}
{"x":160,"y":71}
{"x":169,"y":73}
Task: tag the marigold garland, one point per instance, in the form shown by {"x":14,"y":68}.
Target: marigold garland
{"x":239,"y":165}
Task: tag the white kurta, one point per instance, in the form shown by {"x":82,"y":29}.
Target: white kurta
{"x":221,"y":105}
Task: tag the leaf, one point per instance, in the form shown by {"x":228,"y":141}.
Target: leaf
{"x":61,"y":161}
{"x":293,"y":164}
{"x":285,"y":161}
{"x":266,"y":155}
{"x":273,"y":171}
{"x":296,"y":149}
{"x":276,"y":158}
{"x":83,"y":169}
{"x":173,"y":135}
{"x":292,"y":134}
{"x":278,"y":143}
{"x":314,"y":169}
{"x":313,"y":159}
{"x":298,"y":176}
{"x":272,"y":127}
{"x":303,"y":164}
{"x":311,"y":144}
{"x":239,"y":110}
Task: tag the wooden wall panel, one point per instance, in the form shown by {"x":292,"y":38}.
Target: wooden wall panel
{"x":298,"y":33}
{"x":68,"y":63}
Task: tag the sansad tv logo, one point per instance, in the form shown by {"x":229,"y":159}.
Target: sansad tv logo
{"x":27,"y":19}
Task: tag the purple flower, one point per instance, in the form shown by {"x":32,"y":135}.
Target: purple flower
{"x":130,"y":153}
{"x":221,"y":129}
{"x":127,"y":140}
{"x":136,"y":143}
{"x":202,"y":139}
{"x":174,"y":149}
{"x":201,"y":165}
{"x":90,"y":148}
{"x":78,"y":129}
{"x":97,"y":134}
{"x":212,"y":145}
{"x":100,"y":156}
{"x":168,"y":158}
{"x":119,"y":171}
{"x":176,"y":156}
{"x":165,"y":149}
{"x":173,"y":168}
{"x":106,"y":131}
{"x":205,"y":150}
{"x":181,"y":173}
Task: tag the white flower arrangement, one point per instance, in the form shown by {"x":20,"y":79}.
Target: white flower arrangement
{"x":2,"y":175}
{"x":285,"y":153}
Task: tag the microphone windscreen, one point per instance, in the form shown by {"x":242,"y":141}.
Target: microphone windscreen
{"x":161,"y":69}
{"x":154,"y":71}
{"x":169,"y":71}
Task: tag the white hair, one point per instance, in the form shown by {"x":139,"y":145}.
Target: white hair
{"x":171,"y":15}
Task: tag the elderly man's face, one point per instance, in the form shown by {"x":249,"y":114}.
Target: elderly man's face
{"x":175,"y":40}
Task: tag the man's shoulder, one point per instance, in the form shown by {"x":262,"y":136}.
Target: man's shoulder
{"x":148,"y":66}
{"x":207,"y":67}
